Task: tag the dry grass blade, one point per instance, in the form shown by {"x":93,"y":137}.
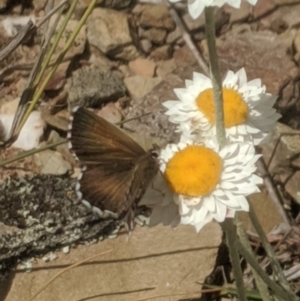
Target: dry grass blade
{"x":65,"y":270}
{"x":272,"y":191}
{"x":31,"y":152}
{"x":49,"y":146}
{"x":50,"y":13}
{"x":187,"y":38}
{"x":30,"y":88}
{"x":133,"y":118}
{"x":181,"y":294}
{"x":25,"y":31}
{"x":42,"y":85}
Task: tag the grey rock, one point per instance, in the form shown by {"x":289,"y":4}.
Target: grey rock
{"x":127,"y":53}
{"x":38,"y":5}
{"x":145,"y":45}
{"x":138,"y":86}
{"x":155,"y":35}
{"x":83,"y":4}
{"x":138,"y":9}
{"x":118,"y":4}
{"x":260,"y":53}
{"x":282,"y":161}
{"x":292,"y":186}
{"x":109,"y":31}
{"x":161,"y":53}
{"x":157,"y":16}
{"x":90,"y":87}
{"x":156,"y":126}
{"x":166,"y":67}
{"x":288,"y":13}
{"x":174,"y":36}
{"x":191,"y":24}
{"x":52,"y":162}
{"x":42,"y":212}
{"x":198,"y":25}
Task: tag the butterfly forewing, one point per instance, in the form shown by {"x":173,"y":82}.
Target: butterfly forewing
{"x":117,"y":170}
{"x":94,"y":140}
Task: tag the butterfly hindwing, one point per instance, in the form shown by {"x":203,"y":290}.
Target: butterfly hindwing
{"x":105,"y":190}
{"x":115,"y":190}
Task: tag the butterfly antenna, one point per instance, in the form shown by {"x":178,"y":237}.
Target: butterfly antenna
{"x":128,"y":236}
{"x":133,"y":118}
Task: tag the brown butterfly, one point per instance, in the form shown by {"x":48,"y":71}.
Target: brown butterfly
{"x":115,"y":169}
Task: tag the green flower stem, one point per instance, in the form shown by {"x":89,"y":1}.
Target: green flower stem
{"x":272,"y":256}
{"x":228,"y":225}
{"x":31,"y":152}
{"x":278,"y":290}
{"x":262,"y":287}
{"x":232,"y":239}
{"x":215,"y":75}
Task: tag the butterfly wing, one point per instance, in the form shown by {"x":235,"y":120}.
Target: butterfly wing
{"x":114,"y":190}
{"x":117,"y":170}
{"x":106,"y":189}
{"x":96,"y":141}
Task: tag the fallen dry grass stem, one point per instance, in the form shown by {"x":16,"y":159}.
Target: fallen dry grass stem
{"x":211,"y":290}
{"x":65,"y":270}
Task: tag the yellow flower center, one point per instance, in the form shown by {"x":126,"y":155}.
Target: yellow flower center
{"x":194,"y":171}
{"x":235,"y":109}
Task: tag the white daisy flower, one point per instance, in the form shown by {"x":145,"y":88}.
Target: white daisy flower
{"x":196,"y":7}
{"x":207,"y":183}
{"x":248,"y":110}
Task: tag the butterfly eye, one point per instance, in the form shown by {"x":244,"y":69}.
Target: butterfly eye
{"x":155,"y":151}
{"x":154,"y":154}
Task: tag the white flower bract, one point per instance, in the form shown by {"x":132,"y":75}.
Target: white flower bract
{"x":196,"y":7}
{"x":237,"y":180}
{"x":257,"y":126}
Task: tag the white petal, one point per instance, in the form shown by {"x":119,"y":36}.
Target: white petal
{"x":230,"y":213}
{"x":244,"y":205}
{"x":231,"y":201}
{"x":234,"y":3}
{"x":257,"y":180}
{"x":242,"y":77}
{"x":227,"y":185}
{"x":209,"y":203}
{"x":220,"y":213}
{"x":252,"y":2}
{"x":183,"y":208}
{"x":200,"y":225}
{"x":170,"y":103}
{"x":195,"y":8}
{"x":200,"y":214}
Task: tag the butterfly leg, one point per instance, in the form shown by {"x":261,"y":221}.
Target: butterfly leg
{"x":114,"y":233}
{"x":142,"y":220}
{"x":128,"y":220}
